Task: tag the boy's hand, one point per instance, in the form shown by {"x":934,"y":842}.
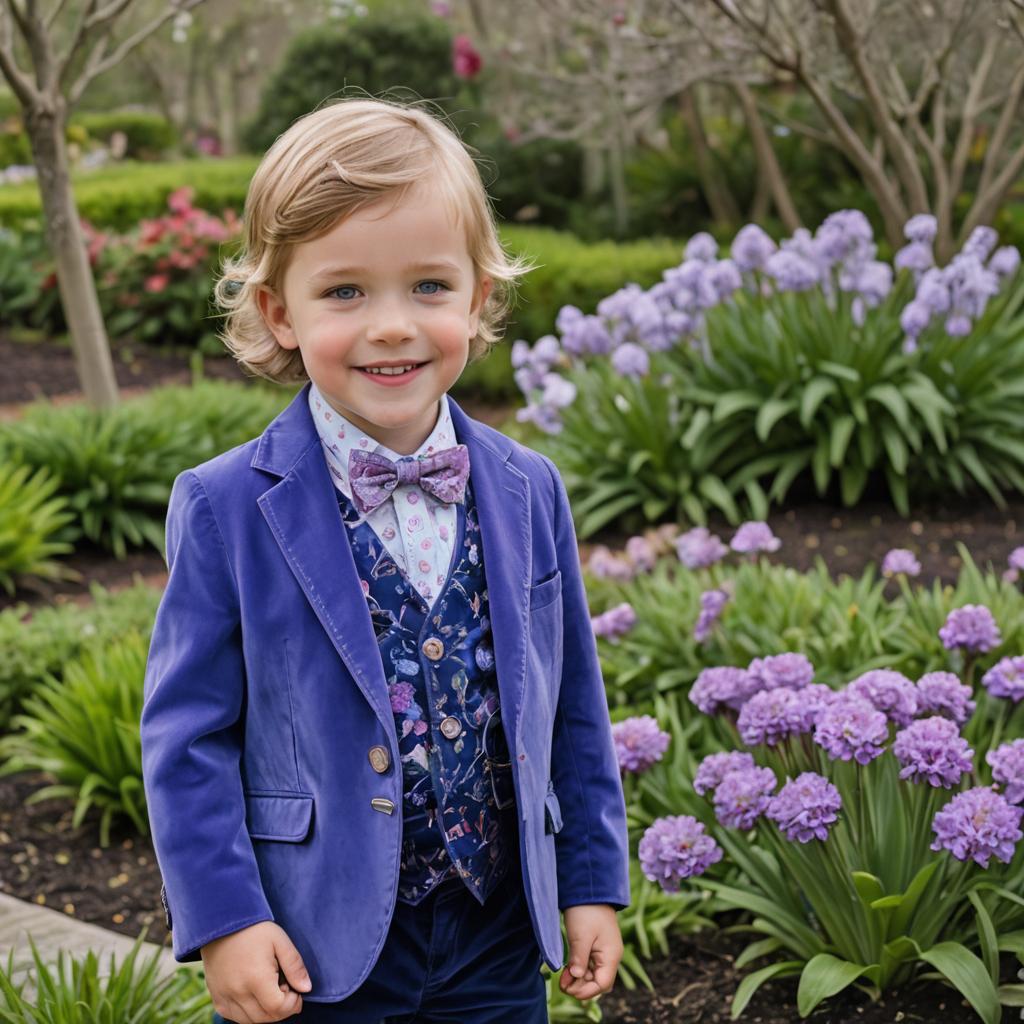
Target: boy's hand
{"x":595,"y":949}
{"x":242,"y":974}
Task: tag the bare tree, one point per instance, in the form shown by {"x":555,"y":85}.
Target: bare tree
{"x":66,"y":49}
{"x":938,"y":82}
{"x":599,"y":72}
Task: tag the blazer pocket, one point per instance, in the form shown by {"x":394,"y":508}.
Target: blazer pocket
{"x":282,"y":816}
{"x":546,"y":591}
{"x":552,"y":811}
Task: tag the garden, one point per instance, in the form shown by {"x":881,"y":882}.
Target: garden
{"x":774,"y":343}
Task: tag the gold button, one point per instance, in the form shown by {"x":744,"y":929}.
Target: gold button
{"x":433,"y":648}
{"x":380,"y":803}
{"x":379,"y":758}
{"x":451,"y":727}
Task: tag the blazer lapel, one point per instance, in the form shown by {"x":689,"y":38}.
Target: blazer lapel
{"x":302,"y":512}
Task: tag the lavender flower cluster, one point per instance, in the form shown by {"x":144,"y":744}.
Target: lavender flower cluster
{"x":639,"y":743}
{"x":632,"y":324}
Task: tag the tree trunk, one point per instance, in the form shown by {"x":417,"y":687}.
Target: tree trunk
{"x":67,"y":243}
{"x":768,"y":167}
{"x":721,"y":202}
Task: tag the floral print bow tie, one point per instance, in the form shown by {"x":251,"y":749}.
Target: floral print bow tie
{"x":373,"y":476}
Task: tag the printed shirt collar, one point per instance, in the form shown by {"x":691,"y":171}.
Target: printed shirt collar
{"x":339,"y":436}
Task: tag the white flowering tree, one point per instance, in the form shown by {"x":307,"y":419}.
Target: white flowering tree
{"x":48,"y":58}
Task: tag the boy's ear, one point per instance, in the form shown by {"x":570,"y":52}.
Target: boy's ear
{"x":275,"y":316}
{"x":483,"y":289}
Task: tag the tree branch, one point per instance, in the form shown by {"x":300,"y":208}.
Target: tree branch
{"x":20,"y":83}
{"x":105,"y":64}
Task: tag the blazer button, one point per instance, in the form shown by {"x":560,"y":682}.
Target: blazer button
{"x":451,"y":727}
{"x":379,"y":758}
{"x":433,"y":648}
{"x":380,"y":803}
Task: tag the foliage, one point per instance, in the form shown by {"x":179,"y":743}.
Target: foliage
{"x":86,"y":995}
{"x":731,"y":380}
{"x":372,"y":54}
{"x":83,"y":730}
{"x":37,"y":643}
{"x":149,"y":136}
{"x":31,"y":520}
{"x":116,"y":466}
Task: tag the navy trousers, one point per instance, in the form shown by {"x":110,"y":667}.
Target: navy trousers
{"x":449,"y":960}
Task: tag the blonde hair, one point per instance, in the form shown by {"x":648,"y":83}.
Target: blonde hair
{"x":332,"y":162}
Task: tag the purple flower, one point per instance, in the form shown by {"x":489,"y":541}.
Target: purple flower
{"x":604,"y":564}
{"x":1016,"y":559}
{"x":718,"y":686}
{"x":402,"y":695}
{"x":790,"y":669}
{"x":751,"y":248}
{"x":1007,"y":764}
{"x":978,"y":824}
{"x":639,"y":742}
{"x":942,"y":693}
{"x":917,"y":257}
{"x":805,"y":807}
{"x":755,"y":536}
{"x":715,"y":767}
{"x":743,"y":796}
{"x":640,"y":553}
{"x":711,"y":604}
{"x":724,"y":276}
{"x":770,"y":716}
{"x":674,"y":848}
{"x":1006,"y":678}
{"x":1005,"y":261}
{"x":900,"y":560}
{"x":615,"y":622}
{"x":631,"y":360}
{"x":915,"y":318}
{"x":699,"y":548}
{"x":958,"y":325}
{"x":844,"y":236}
{"x":932,"y":750}
{"x":922,"y":227}
{"x":701,"y":247}
{"x":971,"y":627}
{"x":850,"y":727}
{"x":889,"y":692}
{"x":792,"y":272}
{"x":981,"y":242}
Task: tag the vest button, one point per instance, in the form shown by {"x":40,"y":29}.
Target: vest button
{"x":451,"y":727}
{"x":379,"y":758}
{"x":433,"y":648}
{"x":380,"y":803}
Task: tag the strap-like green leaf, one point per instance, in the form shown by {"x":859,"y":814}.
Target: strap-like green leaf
{"x":968,"y":976}
{"x":752,"y":982}
{"x":824,"y":976}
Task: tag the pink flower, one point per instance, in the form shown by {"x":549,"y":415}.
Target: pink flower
{"x":157,"y":283}
{"x":466,"y":61}
{"x":180,"y":200}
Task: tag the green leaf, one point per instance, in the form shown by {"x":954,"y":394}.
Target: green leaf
{"x":986,"y":936}
{"x":701,"y":418}
{"x":752,"y":982}
{"x":756,"y":950}
{"x":733,"y":402}
{"x":869,"y":887}
{"x":968,"y":976}
{"x":824,"y":976}
{"x":839,"y":438}
{"x":838,"y":370}
{"x":888,"y":396}
{"x":770,"y":413}
{"x":914,"y":891}
{"x":816,"y":391}
{"x":1011,"y":995}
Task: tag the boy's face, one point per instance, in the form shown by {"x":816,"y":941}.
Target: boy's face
{"x":371,"y":290}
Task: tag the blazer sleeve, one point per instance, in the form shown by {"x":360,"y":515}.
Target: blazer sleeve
{"x":592,"y":847}
{"x":192,"y":732}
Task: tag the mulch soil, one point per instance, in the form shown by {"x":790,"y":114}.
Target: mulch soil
{"x":43,"y":859}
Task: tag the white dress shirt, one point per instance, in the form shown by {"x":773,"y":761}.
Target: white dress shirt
{"x":417,"y":529}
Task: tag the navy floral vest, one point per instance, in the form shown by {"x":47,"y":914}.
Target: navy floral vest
{"x":458,"y":806}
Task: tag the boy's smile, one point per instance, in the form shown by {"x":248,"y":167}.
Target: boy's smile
{"x":390,"y":286}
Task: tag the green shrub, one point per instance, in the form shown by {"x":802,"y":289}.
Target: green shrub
{"x":38,"y":642}
{"x":149,"y":135}
{"x":116,"y":466}
{"x":31,"y":520}
{"x":83,"y":994}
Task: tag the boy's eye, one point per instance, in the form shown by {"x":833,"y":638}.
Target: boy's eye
{"x":348,"y":288}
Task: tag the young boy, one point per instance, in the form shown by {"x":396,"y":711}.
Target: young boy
{"x":376,"y":746}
